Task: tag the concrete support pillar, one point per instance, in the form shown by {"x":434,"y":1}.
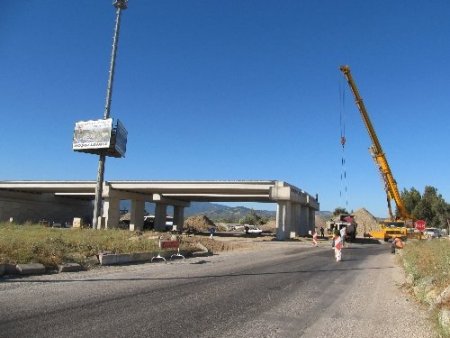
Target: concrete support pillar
{"x":280,"y":220}
{"x":290,"y":220}
{"x":137,"y":215}
{"x":312,"y":218}
{"x":306,"y":225}
{"x":178,"y":217}
{"x":303,"y":220}
{"x":293,"y":223}
{"x":284,"y":220}
{"x":296,"y":219}
{"x":160,"y":216}
{"x":111,"y":212}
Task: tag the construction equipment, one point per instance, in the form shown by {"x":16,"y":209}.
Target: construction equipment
{"x":340,"y":221}
{"x":400,"y":226}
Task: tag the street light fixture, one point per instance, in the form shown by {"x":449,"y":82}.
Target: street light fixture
{"x":122,"y":4}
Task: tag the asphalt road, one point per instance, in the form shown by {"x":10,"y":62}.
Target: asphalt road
{"x":284,"y":290}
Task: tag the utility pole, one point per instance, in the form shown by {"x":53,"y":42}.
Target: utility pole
{"x":119,"y":5}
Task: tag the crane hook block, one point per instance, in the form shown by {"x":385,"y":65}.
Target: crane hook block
{"x":343,"y":140}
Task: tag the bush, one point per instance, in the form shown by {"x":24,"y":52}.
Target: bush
{"x":253,"y":219}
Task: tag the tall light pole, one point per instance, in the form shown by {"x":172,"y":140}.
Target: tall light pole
{"x":119,"y":5}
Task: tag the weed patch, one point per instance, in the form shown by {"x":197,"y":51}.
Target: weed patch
{"x":429,"y":259}
{"x":48,"y":246}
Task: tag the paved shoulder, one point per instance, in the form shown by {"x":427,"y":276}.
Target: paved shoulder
{"x":373,"y":305}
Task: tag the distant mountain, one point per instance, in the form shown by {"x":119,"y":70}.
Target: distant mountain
{"x":215,"y":212}
{"x":324,"y":214}
{"x":231,"y":214}
{"x":203,"y":208}
{"x":219,"y":212}
{"x":322,"y":217}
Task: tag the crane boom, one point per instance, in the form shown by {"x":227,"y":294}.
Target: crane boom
{"x":377,"y":151}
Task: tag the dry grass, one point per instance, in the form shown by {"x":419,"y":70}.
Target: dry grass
{"x":214,"y":245}
{"x":51,"y":247}
{"x":429,"y":258}
{"x":34,"y":243}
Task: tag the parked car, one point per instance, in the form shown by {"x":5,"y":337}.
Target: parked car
{"x":432,"y":232}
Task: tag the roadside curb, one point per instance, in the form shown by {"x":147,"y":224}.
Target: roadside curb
{"x":104,"y":259}
{"x":141,"y":257}
{"x":115,"y":259}
{"x":200,"y":254}
{"x":69,"y":267}
{"x":30,"y":269}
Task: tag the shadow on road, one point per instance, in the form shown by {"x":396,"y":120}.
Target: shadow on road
{"x":137,"y":279}
{"x":366,"y":240}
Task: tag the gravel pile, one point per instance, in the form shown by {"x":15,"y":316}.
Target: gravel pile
{"x":366,"y":221}
{"x":198,"y":223}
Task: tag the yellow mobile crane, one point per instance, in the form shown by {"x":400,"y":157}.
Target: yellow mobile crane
{"x":393,"y":227}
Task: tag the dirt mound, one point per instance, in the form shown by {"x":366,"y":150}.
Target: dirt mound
{"x":214,"y":245}
{"x":198,"y":223}
{"x":366,"y":221}
{"x":270,"y":226}
{"x":125,"y":217}
{"x":320,"y":221}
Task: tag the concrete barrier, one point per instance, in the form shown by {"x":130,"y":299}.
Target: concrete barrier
{"x":69,"y":267}
{"x":112,"y":259}
{"x":91,"y":260}
{"x":10,"y":269}
{"x":30,"y":269}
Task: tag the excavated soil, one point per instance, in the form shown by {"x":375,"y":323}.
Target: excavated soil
{"x":366,"y":222}
{"x":199,"y":223}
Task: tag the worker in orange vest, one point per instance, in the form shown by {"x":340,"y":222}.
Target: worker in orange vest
{"x":397,"y":243}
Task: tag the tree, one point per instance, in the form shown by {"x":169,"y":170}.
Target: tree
{"x":339,"y":211}
{"x":252,"y":218}
{"x":430,"y":206}
{"x":410,"y":199}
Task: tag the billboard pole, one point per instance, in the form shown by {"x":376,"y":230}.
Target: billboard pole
{"x":119,"y":5}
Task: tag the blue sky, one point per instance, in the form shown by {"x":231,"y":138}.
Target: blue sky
{"x":231,"y":90}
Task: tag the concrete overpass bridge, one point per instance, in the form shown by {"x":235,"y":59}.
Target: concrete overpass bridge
{"x":63,"y":200}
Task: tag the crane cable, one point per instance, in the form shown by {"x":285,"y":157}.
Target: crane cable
{"x":343,"y":193}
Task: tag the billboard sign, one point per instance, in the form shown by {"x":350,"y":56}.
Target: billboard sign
{"x":120,"y":139}
{"x":93,"y":134}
